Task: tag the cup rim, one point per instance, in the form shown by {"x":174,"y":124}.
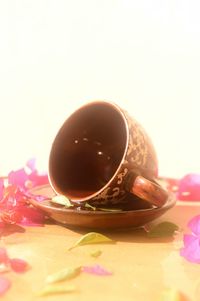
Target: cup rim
{"x":91,"y":103}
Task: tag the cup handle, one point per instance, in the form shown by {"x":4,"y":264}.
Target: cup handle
{"x":146,"y":190}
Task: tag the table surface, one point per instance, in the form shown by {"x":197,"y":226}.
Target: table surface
{"x":142,"y":267}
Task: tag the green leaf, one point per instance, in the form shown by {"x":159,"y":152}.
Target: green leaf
{"x":92,"y":238}
{"x":87,"y":205}
{"x":96,"y":253}
{"x":110,"y":209}
{"x":55,"y":289}
{"x":61,"y":200}
{"x":64,"y":274}
{"x":172,"y":295}
{"x":164,"y":229}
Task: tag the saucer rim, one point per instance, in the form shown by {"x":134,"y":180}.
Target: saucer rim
{"x":171,"y":201}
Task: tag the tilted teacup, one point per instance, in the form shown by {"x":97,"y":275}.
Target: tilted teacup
{"x":101,"y":153}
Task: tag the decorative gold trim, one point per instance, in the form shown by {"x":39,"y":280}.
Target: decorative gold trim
{"x":122,"y":175}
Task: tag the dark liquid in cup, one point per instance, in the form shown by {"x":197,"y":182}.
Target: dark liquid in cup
{"x":87,"y":151}
{"x":90,"y":166}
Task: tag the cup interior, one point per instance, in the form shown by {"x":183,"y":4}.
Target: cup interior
{"x":88,"y":150}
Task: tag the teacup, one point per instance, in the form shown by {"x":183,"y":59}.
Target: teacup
{"x":100,"y":154}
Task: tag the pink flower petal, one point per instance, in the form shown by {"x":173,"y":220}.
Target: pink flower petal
{"x":2,"y":224}
{"x":3,"y":256}
{"x":20,"y":196}
{"x":38,"y":179}
{"x":9,"y":192}
{"x":188,"y":239}
{"x":194,"y":225}
{"x":96,"y":270}
{"x":11,"y":216}
{"x":18,"y":265}
{"x":32,"y":217}
{"x":14,"y":198}
{"x":5,"y":284}
{"x":1,"y":188}
{"x":31,"y":163}
{"x":191,"y":249}
{"x":26,"y":222}
{"x":34,"y":177}
{"x":18,"y":178}
{"x":171,"y":183}
{"x":189,"y":188}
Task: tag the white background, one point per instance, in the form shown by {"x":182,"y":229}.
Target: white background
{"x":143,"y":55}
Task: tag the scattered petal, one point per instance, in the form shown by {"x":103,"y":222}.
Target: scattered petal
{"x":55,"y":289}
{"x":96,"y":270}
{"x":18,"y":265}
{"x":170,"y":184}
{"x":18,"y":177}
{"x":164,"y":229}
{"x":191,"y":249}
{"x":92,"y":238}
{"x":5,"y":284}
{"x":31,"y":216}
{"x":172,"y":295}
{"x":11,"y":216}
{"x":64,"y":274}
{"x":1,"y":188}
{"x":3,"y":256}
{"x":38,"y":179}
{"x":189,"y":188}
{"x":4,"y":268}
{"x":96,"y":253}
{"x":194,"y":225}
{"x":31,"y":163}
{"x":61,"y":200}
{"x":188,"y":239}
{"x":15,"y":205}
{"x":2,"y":224}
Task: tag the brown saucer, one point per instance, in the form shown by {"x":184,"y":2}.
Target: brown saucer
{"x":135,"y":216}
